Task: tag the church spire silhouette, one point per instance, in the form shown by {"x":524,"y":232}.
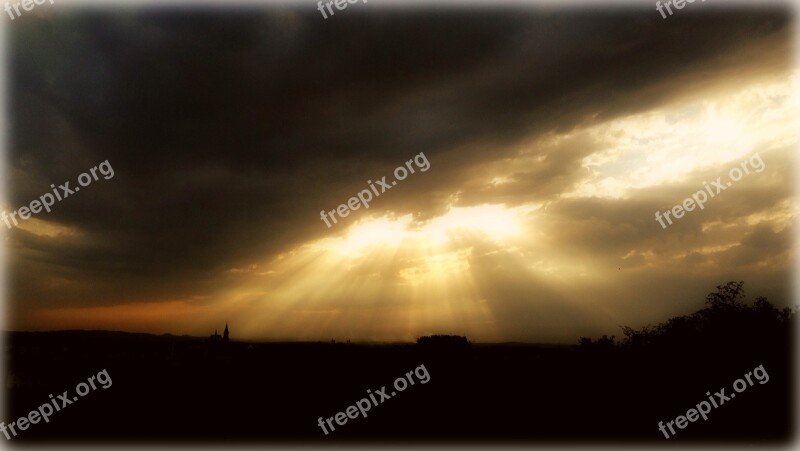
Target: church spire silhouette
{"x":225,"y":334}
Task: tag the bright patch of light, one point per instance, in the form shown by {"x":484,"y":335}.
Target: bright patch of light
{"x":377,"y":232}
{"x":49,"y":229}
{"x":670,"y":144}
{"x":495,"y":222}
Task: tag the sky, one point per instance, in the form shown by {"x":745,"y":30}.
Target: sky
{"x":553,"y":137}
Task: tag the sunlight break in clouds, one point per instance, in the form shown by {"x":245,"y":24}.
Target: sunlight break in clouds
{"x":555,"y":139}
{"x":422,"y":274}
{"x":418,"y":272}
{"x":668,"y":144}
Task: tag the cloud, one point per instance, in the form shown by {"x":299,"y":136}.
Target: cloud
{"x":229,"y":130}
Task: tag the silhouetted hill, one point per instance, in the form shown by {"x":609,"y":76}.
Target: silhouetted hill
{"x":167,"y":387}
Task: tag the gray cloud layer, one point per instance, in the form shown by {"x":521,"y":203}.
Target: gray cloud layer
{"x":229,"y":131}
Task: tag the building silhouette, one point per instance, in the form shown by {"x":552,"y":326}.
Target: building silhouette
{"x":217,"y":338}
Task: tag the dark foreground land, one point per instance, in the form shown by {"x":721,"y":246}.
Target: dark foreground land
{"x":187,"y":390}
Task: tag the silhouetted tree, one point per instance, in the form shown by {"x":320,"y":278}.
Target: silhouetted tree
{"x":603,"y":342}
{"x":725,"y":318}
{"x":450,"y":341}
{"x":727,"y":297}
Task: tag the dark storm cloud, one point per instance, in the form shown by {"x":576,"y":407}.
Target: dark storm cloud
{"x":229,"y":131}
